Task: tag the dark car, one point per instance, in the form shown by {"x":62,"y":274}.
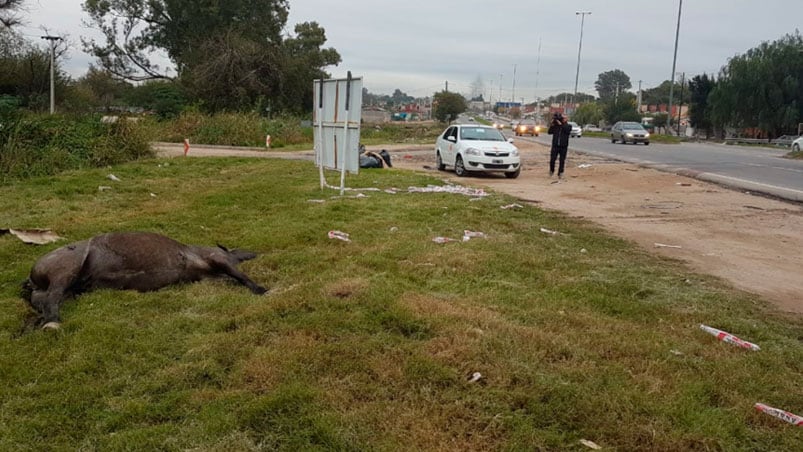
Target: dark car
{"x":527,"y":127}
{"x":632,"y":132}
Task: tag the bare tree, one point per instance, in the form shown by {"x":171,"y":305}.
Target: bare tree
{"x":7,"y":9}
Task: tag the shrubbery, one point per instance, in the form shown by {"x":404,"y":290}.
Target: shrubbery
{"x":231,"y":129}
{"x":39,"y":145}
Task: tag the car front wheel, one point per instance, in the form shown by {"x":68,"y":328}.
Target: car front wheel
{"x":514,"y":174}
{"x":646,"y":143}
{"x":613,"y":140}
{"x":439,"y":162}
{"x":459,"y":167}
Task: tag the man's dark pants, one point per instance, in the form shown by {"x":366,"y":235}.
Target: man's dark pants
{"x":557,"y":151}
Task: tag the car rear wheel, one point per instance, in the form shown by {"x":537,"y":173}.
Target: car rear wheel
{"x":459,"y":167}
{"x":796,"y":148}
{"x":439,"y":162}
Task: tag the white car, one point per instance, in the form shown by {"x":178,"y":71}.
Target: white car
{"x":797,"y":144}
{"x":475,"y":148}
{"x":577,"y":132}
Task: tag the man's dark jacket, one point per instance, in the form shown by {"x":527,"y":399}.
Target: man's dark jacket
{"x":560,"y":134}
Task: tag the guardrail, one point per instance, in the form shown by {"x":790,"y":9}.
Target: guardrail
{"x":781,"y":141}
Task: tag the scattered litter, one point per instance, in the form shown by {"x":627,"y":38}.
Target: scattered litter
{"x":339,"y":235}
{"x":455,"y":189}
{"x":729,"y":338}
{"x":475,"y":377}
{"x":753,"y":207}
{"x":33,"y":236}
{"x":793,"y":419}
{"x":683,"y":184}
{"x":557,"y":181}
{"x":443,"y":240}
{"x":468,"y":235}
{"x":103,"y":187}
{"x":512,"y":206}
{"x":390,"y":191}
{"x":549,"y":231}
{"x":113,"y":177}
{"x":663,"y":245}
{"x":153,"y":195}
{"x":590,"y":444}
{"x":583,"y":250}
{"x":676,"y":352}
{"x":584,"y":165}
{"x":320,"y":201}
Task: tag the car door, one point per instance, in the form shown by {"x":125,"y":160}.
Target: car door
{"x":447,"y":145}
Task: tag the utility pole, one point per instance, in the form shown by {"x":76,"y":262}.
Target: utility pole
{"x":500,"y":87}
{"x":582,"y":15}
{"x":447,"y":86}
{"x":513,"y":93}
{"x":52,"y":40}
{"x":638,"y":109}
{"x":680,"y":107}
{"x":674,"y":61}
{"x":537,"y":73}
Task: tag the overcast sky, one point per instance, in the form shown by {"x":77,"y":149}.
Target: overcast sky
{"x":417,"y":46}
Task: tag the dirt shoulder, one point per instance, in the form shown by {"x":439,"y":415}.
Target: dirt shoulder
{"x":751,"y":241}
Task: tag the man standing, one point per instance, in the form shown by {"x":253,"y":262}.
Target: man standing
{"x":560,"y":131}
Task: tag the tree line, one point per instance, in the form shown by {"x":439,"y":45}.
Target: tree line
{"x":223,"y":56}
{"x":760,"y":91}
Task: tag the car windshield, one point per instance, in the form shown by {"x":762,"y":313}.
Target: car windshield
{"x":480,"y":133}
{"x":573,"y":124}
{"x":527,"y":122}
{"x":632,"y":126}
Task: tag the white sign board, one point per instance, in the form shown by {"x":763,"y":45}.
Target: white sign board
{"x":337,"y":114}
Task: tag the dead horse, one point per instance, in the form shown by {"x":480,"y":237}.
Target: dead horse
{"x":141,"y":261}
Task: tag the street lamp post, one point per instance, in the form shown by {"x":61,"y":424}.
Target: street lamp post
{"x":52,"y":40}
{"x":672,"y":82}
{"x":582,"y":15}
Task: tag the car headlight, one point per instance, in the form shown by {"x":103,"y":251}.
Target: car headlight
{"x":646,"y":135}
{"x":514,"y":153}
{"x":472,"y":151}
{"x":629,"y":134}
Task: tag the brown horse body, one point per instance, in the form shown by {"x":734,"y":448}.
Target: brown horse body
{"x":141,"y":261}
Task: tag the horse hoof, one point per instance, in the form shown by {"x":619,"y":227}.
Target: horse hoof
{"x":51,"y":326}
{"x":259,"y":290}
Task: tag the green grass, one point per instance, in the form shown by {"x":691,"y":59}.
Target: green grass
{"x":367,"y":345}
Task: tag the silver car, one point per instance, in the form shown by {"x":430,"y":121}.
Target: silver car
{"x":577,"y":132}
{"x":632,"y":132}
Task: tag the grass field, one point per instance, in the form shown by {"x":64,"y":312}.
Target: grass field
{"x":369,"y":344}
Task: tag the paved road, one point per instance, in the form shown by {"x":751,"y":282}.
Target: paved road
{"x":755,"y":169}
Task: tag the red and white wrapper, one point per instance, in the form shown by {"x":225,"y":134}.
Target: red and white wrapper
{"x":724,"y":336}
{"x":443,"y":240}
{"x":793,"y":419}
{"x":339,"y":235}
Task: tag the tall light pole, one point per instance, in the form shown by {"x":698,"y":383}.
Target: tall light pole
{"x":513,"y":93}
{"x":672,"y":82}
{"x":582,"y":15}
{"x":52,"y":40}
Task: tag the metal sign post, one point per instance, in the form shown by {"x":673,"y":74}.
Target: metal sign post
{"x":337,"y":136}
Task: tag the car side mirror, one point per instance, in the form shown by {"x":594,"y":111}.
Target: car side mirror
{"x":451,"y":138}
{"x":510,"y":140}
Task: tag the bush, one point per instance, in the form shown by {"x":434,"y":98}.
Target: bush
{"x":39,"y":145}
{"x":233,"y":129}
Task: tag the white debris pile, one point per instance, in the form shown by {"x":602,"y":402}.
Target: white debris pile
{"x":454,"y":189}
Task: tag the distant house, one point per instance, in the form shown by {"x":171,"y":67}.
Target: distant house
{"x":375,"y":115}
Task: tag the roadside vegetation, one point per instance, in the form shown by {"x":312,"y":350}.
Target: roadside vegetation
{"x":38,"y":145}
{"x":370,"y":344}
